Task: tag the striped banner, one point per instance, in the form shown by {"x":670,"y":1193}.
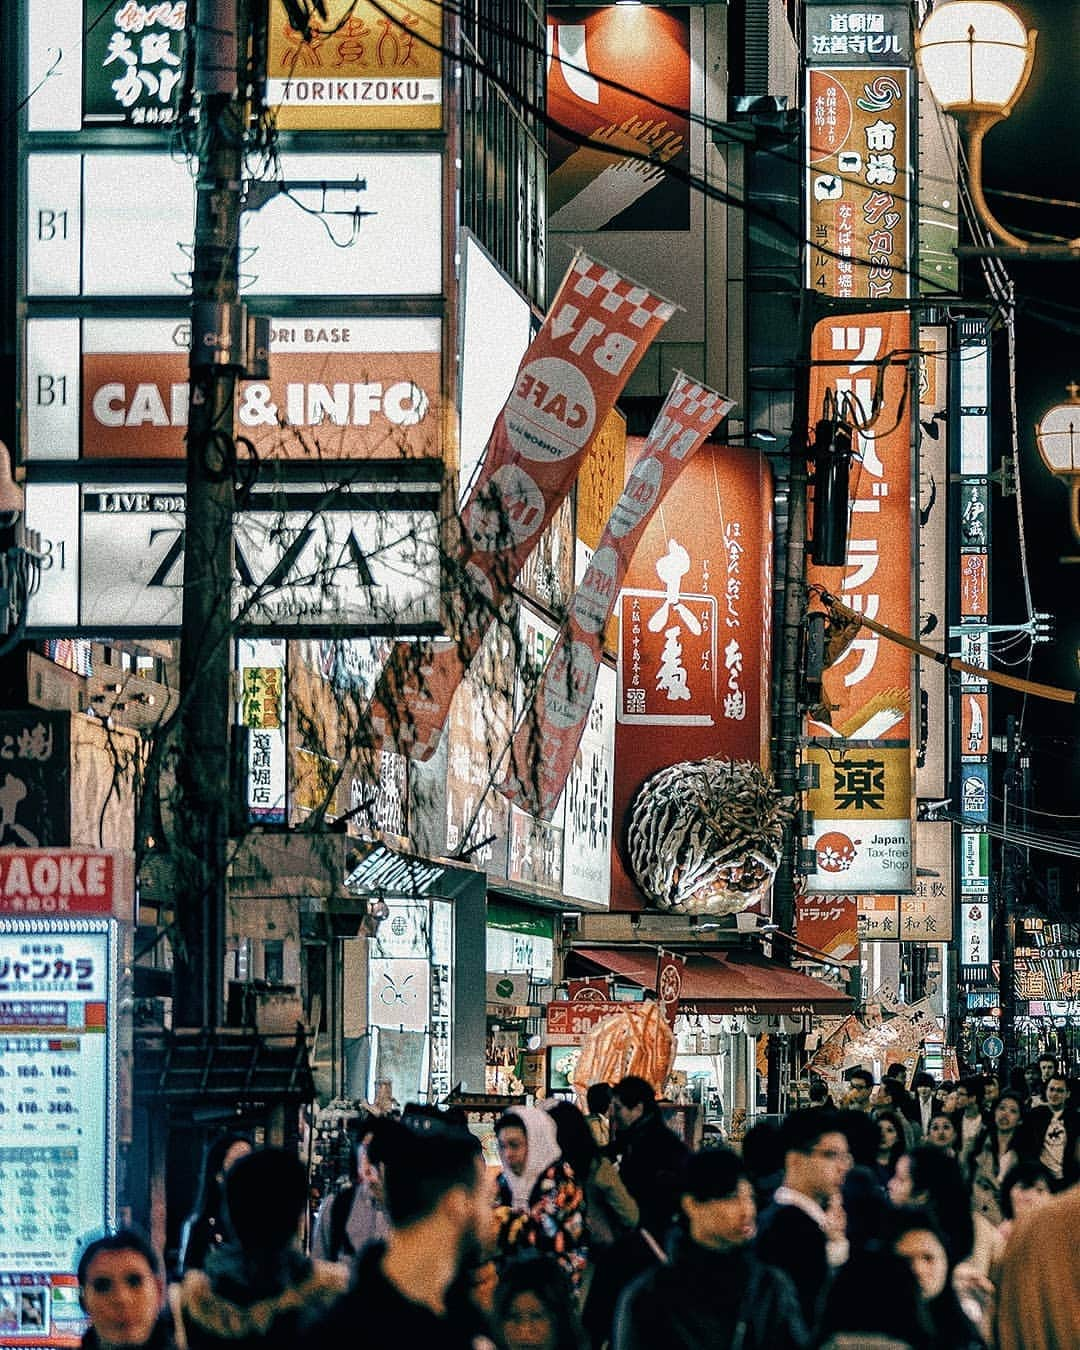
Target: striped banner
{"x":598,"y":328}
{"x":548,"y":737}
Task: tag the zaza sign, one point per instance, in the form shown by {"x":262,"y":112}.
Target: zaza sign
{"x":307,"y":559}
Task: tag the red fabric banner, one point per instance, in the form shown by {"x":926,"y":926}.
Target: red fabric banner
{"x":598,"y":328}
{"x":549,"y":734}
{"x":669,"y":971}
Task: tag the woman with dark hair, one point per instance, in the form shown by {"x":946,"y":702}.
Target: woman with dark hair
{"x":895,"y":1097}
{"x":535,"y":1307}
{"x":204,"y":1228}
{"x":912,"y":1234}
{"x":610,"y":1210}
{"x":929,"y":1178}
{"x":941,"y":1132}
{"x":873,"y":1303}
{"x":891,"y":1146}
{"x":996,"y":1150}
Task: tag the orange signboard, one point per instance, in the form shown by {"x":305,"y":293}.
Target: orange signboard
{"x":859,"y":182}
{"x":862,"y":833}
{"x":974,"y":585}
{"x":338,"y":389}
{"x":864,"y":363}
{"x":693,"y":658}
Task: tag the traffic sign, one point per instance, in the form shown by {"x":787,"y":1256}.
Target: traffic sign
{"x":993,"y":1047}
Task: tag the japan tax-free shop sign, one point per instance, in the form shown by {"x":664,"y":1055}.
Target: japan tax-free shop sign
{"x":59,"y":944}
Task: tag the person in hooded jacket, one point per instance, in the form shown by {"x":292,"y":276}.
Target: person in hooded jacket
{"x":257,"y":1290}
{"x":540,"y":1203}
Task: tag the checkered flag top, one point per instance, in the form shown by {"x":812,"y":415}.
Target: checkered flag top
{"x":642,"y":304}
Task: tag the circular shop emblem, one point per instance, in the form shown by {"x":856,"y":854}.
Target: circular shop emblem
{"x":569,"y":685}
{"x":670,"y":984}
{"x":592,"y":602}
{"x":508,"y":510}
{"x":552,"y":411}
{"x":835,"y":852}
{"x":637,"y":497}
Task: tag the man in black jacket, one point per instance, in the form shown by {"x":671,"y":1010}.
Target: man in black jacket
{"x":410,"y":1290}
{"x":651,"y":1157}
{"x":802,"y":1231}
{"x":1050,"y":1134}
{"x":712,"y":1291}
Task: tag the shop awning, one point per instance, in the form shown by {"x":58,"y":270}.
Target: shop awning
{"x":233,"y":1064}
{"x":736,"y":981}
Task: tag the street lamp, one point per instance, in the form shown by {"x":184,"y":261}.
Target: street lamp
{"x":976,"y":56}
{"x":1057,"y":434}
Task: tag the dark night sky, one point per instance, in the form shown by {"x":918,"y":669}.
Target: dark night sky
{"x":1037,"y":150}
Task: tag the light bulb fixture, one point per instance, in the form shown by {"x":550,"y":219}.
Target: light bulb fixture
{"x":1057,"y":435}
{"x":976,"y":57}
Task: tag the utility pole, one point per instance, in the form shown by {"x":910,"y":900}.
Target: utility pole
{"x":219,"y":42}
{"x":789,"y":710}
{"x":1010,"y":885}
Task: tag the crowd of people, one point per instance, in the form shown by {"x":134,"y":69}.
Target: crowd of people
{"x":937,"y":1219}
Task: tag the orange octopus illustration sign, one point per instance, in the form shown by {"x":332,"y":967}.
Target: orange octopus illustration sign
{"x":355,"y":65}
{"x":623,"y":161}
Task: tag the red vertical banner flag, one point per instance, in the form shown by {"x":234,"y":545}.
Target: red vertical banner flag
{"x":669,"y":973}
{"x":598,"y":328}
{"x":549,"y":735}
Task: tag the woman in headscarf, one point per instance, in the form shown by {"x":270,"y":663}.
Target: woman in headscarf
{"x":539,"y":1198}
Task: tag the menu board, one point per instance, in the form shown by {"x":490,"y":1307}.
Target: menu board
{"x":56,"y":1127}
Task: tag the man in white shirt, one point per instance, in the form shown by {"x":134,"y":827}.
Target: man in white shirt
{"x":1052,"y":1131}
{"x":924,"y":1085}
{"x":803,"y":1231}
{"x":968,"y":1117}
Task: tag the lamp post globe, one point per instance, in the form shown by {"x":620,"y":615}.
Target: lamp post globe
{"x":976,"y":56}
{"x":1057,"y":435}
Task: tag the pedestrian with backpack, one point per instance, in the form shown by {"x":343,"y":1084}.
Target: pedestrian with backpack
{"x":356,"y":1215}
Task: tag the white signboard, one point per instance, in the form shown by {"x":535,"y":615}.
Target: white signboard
{"x":510,"y":951}
{"x":394,"y":250}
{"x":57,"y":1115}
{"x":260,"y":665}
{"x":315,"y":560}
{"x":124,"y":224}
{"x":398,"y":992}
{"x":496,"y":328}
{"x":405,"y":932}
{"x":975,"y":930}
{"x":587,"y":801}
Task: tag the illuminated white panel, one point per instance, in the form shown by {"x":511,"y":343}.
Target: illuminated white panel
{"x":54,"y":44}
{"x":496,"y":330}
{"x":53,"y":510}
{"x":396,"y":250}
{"x":974,"y":376}
{"x":53,"y":224}
{"x":52,"y":389}
{"x":974,"y":444}
{"x":139,"y":213}
{"x":57,"y":1001}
